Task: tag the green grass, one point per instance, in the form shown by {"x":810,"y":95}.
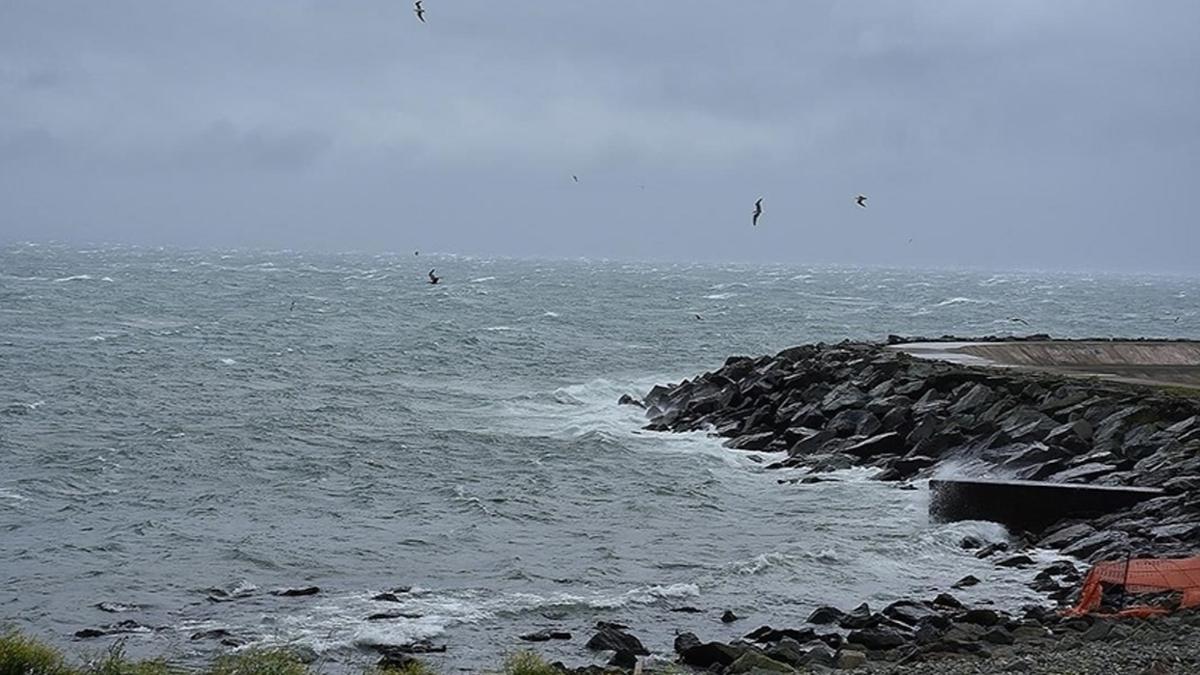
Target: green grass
{"x":113,"y":662}
{"x":527,"y":663}
{"x":258,"y":662}
{"x":20,"y":655}
{"x":411,"y":669}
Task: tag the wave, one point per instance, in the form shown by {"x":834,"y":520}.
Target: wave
{"x":962,"y":301}
{"x":480,"y":280}
{"x":77,"y":277}
{"x":719,"y":296}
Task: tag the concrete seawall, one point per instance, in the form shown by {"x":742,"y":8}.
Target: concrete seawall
{"x":1171,"y":363}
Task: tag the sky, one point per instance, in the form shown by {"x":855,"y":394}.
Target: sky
{"x":1058,"y":134}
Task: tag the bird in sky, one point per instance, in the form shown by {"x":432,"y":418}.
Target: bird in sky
{"x":699,"y":318}
{"x":433,"y":278}
{"x":757,"y":211}
{"x":1017,"y":319}
{"x":575,"y":178}
{"x":419,"y":10}
{"x":862,"y":200}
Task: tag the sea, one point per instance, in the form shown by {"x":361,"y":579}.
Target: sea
{"x":177,"y":424}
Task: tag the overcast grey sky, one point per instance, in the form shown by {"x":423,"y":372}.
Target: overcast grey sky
{"x":1009,"y":133}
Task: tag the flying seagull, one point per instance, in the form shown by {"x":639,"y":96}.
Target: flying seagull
{"x":420,"y":11}
{"x":575,"y":178}
{"x":862,"y":200}
{"x":699,"y":318}
{"x":293,"y":306}
{"x":433,"y":278}
{"x":1017,"y":319}
{"x":757,"y":211}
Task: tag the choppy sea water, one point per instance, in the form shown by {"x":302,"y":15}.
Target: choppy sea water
{"x":174,"y":421}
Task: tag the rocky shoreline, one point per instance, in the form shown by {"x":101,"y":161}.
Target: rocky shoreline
{"x":820,"y":408}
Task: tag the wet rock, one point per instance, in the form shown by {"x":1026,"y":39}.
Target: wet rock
{"x":125,"y":627}
{"x":388,"y":616}
{"x":1066,"y":535}
{"x":990,"y":549}
{"x":685,"y":641}
{"x":965,"y":582}
{"x":980,"y":616}
{"x":213,"y":634}
{"x":613,"y":639}
{"x":767,"y":635}
{"x":788,"y":651}
{"x":998,"y":636}
{"x":878,"y":638}
{"x":687,"y":610}
{"x":826,"y":615}
{"x":908,"y":612}
{"x":853,"y":423}
{"x":811,"y":444}
{"x":845,"y":395}
{"x":396,"y":660}
{"x":970,"y":543}
{"x":624,"y":659}
{"x":947,"y":600}
{"x":1075,"y":436}
{"x":758,"y":441}
{"x":859,"y":617}
{"x":729,"y":617}
{"x":1085,"y":473}
{"x":626,"y":399}
{"x":755,"y":662}
{"x":296,"y":592}
{"x":116,"y":607}
{"x":849,"y":659}
{"x":820,"y":656}
{"x":417,"y":647}
{"x":710,"y":655}
{"x":1016,"y":561}
{"x":975,"y":398}
{"x":890,"y":443}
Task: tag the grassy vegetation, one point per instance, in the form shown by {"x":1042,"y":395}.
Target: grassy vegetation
{"x":527,"y":663}
{"x":20,"y":655}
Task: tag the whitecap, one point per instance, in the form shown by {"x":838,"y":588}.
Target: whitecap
{"x":960,"y":301}
{"x":552,"y":315}
{"x":480,"y":280}
{"x":108,"y":279}
{"x":97,"y":338}
{"x":228,"y":362}
{"x":719,"y":296}
{"x":499,"y":329}
{"x":77,"y":277}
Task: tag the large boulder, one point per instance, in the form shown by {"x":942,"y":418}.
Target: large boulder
{"x":843,"y":396}
{"x":890,"y":443}
{"x":878,"y":638}
{"x":614,"y":639}
{"x":710,"y":655}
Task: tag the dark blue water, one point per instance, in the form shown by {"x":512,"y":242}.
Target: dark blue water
{"x":171,"y":422}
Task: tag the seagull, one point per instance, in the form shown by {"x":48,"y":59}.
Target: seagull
{"x":698,"y":317}
{"x":862,"y":200}
{"x":575,"y":178}
{"x":1017,"y":319}
{"x":416,"y":253}
{"x":757,"y":211}
{"x":420,"y":11}
{"x":293,"y":306}
{"x":433,"y":278}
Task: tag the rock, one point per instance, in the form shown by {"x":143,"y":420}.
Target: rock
{"x":296,"y":592}
{"x":987,"y":551}
{"x":970,"y":543}
{"x":729,"y":617}
{"x":1016,"y":561}
{"x":845,"y":395}
{"x":965,"y":582}
{"x":116,"y":607}
{"x":974,"y":399}
{"x":947,"y":600}
{"x":624,"y":659}
{"x":826,"y":615}
{"x":849,"y":659}
{"x":626,"y":399}
{"x":1066,"y":535}
{"x":387,"y":616}
{"x":710,"y":655}
{"x":821,"y":656}
{"x":908,"y":612}
{"x":546,"y":635}
{"x":417,"y":647}
{"x":1075,"y":436}
{"x":213,"y":634}
{"x":853,"y":423}
{"x":788,"y":651}
{"x":616,"y":640}
{"x":890,"y":443}
{"x":878,"y":638}
{"x":392,"y":595}
{"x":980,"y":617}
{"x":766,"y":635}
{"x":752,"y":661}
{"x":685,"y":641}
{"x":811,"y":444}
{"x":998,"y":636}
{"x":1085,"y":473}
{"x":687,"y":610}
{"x":859,"y":617}
{"x":120,"y":628}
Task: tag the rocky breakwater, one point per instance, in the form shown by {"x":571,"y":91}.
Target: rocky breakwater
{"x":828,"y":407}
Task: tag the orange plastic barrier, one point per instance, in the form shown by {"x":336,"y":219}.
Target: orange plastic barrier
{"x":1142,"y":575}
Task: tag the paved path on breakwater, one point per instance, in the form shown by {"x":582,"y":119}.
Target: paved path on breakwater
{"x":1158,"y":363}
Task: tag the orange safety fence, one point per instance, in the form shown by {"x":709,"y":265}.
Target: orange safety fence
{"x":1140,"y":576}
